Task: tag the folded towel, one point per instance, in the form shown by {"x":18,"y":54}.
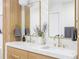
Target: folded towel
{"x":68,"y":32}
{"x":17,"y":31}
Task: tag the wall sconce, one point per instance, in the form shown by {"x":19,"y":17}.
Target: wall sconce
{"x":23,"y":2}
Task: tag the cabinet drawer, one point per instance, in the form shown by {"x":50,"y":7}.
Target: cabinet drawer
{"x":38,"y":56}
{"x":14,"y":53}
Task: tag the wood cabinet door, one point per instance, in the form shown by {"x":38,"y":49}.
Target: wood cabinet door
{"x":37,"y":56}
{"x":14,"y":53}
{"x":11,"y":54}
{"x":23,"y":55}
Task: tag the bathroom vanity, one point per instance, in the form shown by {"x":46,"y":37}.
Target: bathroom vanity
{"x":58,"y":15}
{"x":23,"y":50}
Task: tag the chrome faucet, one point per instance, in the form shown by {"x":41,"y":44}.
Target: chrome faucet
{"x":59,"y":39}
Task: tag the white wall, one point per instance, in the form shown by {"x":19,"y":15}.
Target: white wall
{"x":1,"y":24}
{"x":1,"y":21}
{"x":1,"y":7}
{"x":1,"y":13}
{"x":65,"y":12}
{"x":1,"y":35}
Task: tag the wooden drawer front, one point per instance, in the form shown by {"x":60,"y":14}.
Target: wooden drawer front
{"x":37,"y":56}
{"x":14,"y":53}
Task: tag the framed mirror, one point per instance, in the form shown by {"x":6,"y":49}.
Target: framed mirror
{"x":61,"y":17}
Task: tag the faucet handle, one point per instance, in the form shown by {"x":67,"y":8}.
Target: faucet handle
{"x":58,"y":35}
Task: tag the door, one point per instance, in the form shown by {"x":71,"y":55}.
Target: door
{"x":14,"y":53}
{"x":38,"y":56}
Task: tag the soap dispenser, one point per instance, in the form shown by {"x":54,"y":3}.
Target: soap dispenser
{"x":74,"y":36}
{"x":23,"y":39}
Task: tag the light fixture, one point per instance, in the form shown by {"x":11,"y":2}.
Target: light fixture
{"x":23,"y":2}
{"x":27,"y":2}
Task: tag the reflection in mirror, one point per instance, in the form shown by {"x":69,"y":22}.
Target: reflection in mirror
{"x":36,"y":15}
{"x":27,"y":20}
{"x":32,"y":17}
{"x":61,"y":17}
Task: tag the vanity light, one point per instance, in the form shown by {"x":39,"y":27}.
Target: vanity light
{"x":23,"y":2}
{"x":28,"y":2}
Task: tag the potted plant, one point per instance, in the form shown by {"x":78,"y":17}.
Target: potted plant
{"x":41,"y":33}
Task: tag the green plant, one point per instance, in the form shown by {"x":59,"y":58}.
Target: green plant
{"x":41,"y":32}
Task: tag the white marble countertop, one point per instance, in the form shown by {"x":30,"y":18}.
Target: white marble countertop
{"x":60,"y":53}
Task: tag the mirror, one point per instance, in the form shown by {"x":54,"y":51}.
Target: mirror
{"x":61,"y":17}
{"x":32,"y":17}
